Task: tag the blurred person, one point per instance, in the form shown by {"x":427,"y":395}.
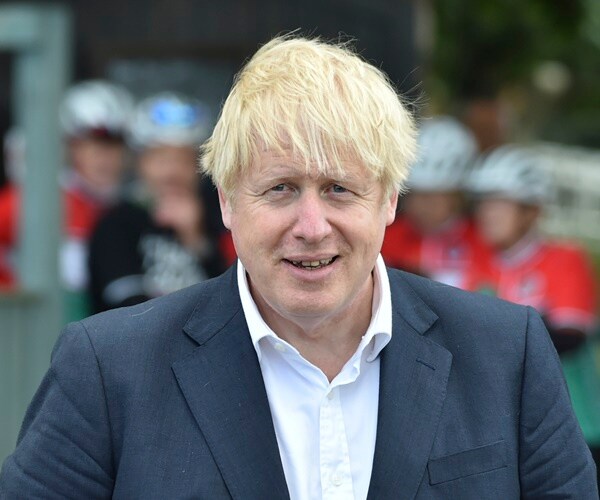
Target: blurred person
{"x":14,"y":159}
{"x":555,"y":277}
{"x":309,"y":370}
{"x":156,"y":240}
{"x":93,"y":116}
{"x":432,"y":235}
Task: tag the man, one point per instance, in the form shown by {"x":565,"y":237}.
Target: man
{"x":432,"y":235}
{"x":308,"y":370}
{"x":156,"y":240}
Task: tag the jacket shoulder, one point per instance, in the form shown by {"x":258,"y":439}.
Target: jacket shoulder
{"x":447,"y":299}
{"x":156,"y":318}
{"x":466,"y":319}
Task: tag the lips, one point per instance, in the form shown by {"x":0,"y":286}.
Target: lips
{"x":312,"y":264}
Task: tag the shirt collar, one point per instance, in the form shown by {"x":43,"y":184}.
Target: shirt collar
{"x":377,"y":336}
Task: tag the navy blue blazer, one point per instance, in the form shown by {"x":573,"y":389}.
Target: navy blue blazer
{"x":166,"y":400}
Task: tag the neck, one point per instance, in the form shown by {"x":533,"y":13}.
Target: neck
{"x":327,"y":342}
{"x":522,"y":249}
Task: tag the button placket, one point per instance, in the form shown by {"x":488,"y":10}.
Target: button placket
{"x":336,"y":479}
{"x":336,"y":475}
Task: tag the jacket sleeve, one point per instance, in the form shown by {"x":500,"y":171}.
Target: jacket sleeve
{"x":64,"y":447}
{"x":554,"y":460}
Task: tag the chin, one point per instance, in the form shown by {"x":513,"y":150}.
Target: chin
{"x":307,"y":308}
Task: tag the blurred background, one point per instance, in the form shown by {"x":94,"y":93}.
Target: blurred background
{"x":510,"y":71}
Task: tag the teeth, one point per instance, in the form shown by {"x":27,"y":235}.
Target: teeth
{"x":312,"y":264}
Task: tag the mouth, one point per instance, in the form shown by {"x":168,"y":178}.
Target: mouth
{"x":312,"y":265}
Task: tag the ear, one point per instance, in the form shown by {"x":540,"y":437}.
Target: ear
{"x":390,"y":208}
{"x":226,"y":208}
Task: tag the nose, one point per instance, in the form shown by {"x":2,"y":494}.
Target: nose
{"x":311,"y":219}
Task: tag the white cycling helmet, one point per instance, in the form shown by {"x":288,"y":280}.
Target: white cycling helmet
{"x":96,"y":108}
{"x":446,"y":151}
{"x":169,"y":119}
{"x":513,"y":173}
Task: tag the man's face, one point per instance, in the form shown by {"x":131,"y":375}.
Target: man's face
{"x":430,"y":210}
{"x":503,"y":223}
{"x":308,"y":242}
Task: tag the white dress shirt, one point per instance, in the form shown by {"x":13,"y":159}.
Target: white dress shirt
{"x":325,"y":431}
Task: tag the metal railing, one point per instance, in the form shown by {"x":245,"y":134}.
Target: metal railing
{"x":575,"y":210}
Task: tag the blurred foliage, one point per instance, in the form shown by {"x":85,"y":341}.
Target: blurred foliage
{"x":481,"y":44}
{"x":483,"y":48}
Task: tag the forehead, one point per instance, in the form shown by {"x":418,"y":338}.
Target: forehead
{"x":285,"y":162}
{"x":180,"y":154}
{"x":502,"y":202}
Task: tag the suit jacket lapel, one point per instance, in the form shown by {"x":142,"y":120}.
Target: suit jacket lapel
{"x":412,"y":388}
{"x":222,"y":383}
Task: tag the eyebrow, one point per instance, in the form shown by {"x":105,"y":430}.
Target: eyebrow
{"x":287,"y":171}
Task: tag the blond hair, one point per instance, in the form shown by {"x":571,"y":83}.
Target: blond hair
{"x":321,"y":100}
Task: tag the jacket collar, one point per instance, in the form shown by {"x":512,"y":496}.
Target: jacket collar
{"x":222,"y":383}
{"x":412,"y":388}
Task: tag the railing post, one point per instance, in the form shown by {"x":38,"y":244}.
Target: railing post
{"x":40,"y":38}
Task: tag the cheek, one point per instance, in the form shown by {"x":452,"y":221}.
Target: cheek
{"x":367,"y":230}
{"x":149,"y":170}
{"x":115,"y":155}
{"x":509,"y":219}
{"x":243,"y":241}
{"x":187,"y":172}
{"x":498,"y":224}
{"x":504,"y":227}
{"x":252,"y":231}
{"x":520,"y":225}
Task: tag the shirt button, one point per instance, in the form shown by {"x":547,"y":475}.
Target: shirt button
{"x":279,"y":347}
{"x":331,"y":395}
{"x":336,"y":480}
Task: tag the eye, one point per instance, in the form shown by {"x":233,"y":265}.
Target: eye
{"x":337,"y":189}
{"x":279,"y":191}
